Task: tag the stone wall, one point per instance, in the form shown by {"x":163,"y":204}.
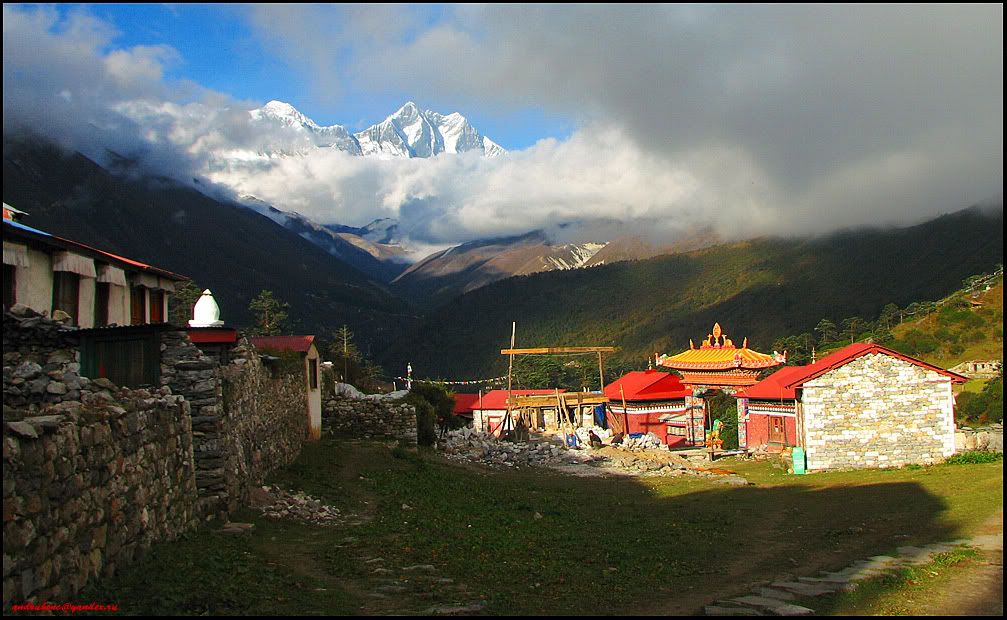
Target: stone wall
{"x":266,"y":419}
{"x":245,"y":421}
{"x":94,"y":474}
{"x":985,"y":439}
{"x":41,"y":363}
{"x":877,"y":411}
{"x":370,"y":419}
{"x":91,"y":483}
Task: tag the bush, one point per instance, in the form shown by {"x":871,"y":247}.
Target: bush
{"x":982,"y":407}
{"x":434,"y":408}
{"x":974,"y":458}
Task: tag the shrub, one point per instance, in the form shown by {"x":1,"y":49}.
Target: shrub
{"x":974,"y":458}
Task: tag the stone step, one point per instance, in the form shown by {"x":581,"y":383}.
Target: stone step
{"x":721,"y":610}
{"x":777,"y":593}
{"x":804,"y":589}
{"x":772,"y":606}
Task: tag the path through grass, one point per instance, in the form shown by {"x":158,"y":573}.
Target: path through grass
{"x":538,"y":542}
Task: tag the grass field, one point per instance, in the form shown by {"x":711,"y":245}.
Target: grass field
{"x":537,"y":542}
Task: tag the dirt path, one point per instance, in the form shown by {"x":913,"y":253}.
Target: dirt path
{"x":977,"y":590}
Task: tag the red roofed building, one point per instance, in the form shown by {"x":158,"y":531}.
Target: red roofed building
{"x":305,"y":347}
{"x":490,"y":409}
{"x":464,"y":404}
{"x":862,"y":406}
{"x":651,"y":401}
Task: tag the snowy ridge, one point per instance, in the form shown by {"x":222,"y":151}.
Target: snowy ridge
{"x":410,"y":132}
{"x":572,"y":256}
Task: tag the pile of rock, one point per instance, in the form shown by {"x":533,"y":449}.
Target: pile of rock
{"x":277,"y":503}
{"x":470,"y":445}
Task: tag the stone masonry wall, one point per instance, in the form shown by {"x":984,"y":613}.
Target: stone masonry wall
{"x":267,"y":419}
{"x":370,"y":419}
{"x":245,"y":423}
{"x":94,"y":474}
{"x":89,"y":481}
{"x":877,"y":411}
{"x":986,"y":439}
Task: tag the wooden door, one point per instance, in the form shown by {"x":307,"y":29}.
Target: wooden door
{"x":777,"y":432}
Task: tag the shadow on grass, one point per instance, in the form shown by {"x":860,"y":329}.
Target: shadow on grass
{"x":533,"y":541}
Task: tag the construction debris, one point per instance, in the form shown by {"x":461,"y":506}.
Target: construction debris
{"x":637,"y":457}
{"x":277,"y":503}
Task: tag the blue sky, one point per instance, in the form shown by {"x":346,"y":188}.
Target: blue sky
{"x":220,"y":49}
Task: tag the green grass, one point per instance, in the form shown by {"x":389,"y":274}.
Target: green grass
{"x":536,"y":542}
{"x":897,"y":593}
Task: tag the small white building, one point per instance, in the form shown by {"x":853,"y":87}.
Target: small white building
{"x":305,"y":347}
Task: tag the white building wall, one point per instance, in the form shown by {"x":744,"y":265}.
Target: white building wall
{"x":877,"y":411}
{"x":33,"y":284}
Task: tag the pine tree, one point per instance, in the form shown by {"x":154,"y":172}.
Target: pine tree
{"x":270,"y":314}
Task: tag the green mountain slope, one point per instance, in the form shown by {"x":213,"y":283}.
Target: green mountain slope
{"x":231,"y":250}
{"x":762,"y":289}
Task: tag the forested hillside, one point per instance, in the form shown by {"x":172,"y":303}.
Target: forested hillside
{"x":763,"y":289}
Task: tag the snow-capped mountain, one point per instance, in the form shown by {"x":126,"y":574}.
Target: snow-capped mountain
{"x":409,"y":132}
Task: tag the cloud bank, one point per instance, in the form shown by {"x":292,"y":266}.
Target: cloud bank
{"x":745,"y":120}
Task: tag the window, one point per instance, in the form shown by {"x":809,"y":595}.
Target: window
{"x":678,"y":431}
{"x":66,"y":293}
{"x":9,"y":286}
{"x":157,"y":306}
{"x":102,"y":292}
{"x":137,"y":305}
{"x":126,"y":358}
{"x":313,"y":374}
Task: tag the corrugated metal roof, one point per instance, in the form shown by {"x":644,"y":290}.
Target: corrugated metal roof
{"x":300,"y":344}
{"x":497,"y":399}
{"x":647,"y":385}
{"x":783,"y":384}
{"x":94,"y":252}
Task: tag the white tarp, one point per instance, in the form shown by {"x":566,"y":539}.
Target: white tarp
{"x":74,"y":263}
{"x":15,"y":254}
{"x":111,"y":275}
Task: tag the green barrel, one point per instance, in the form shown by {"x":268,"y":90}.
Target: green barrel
{"x":798,"y":456}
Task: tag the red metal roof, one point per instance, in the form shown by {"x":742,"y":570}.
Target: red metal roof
{"x":774,"y":387}
{"x":647,"y":385}
{"x":783,"y":383}
{"x":210,"y":335}
{"x":497,"y":399}
{"x":300,"y":344}
{"x":464,"y":403}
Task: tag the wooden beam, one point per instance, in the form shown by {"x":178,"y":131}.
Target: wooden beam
{"x":542,"y":350}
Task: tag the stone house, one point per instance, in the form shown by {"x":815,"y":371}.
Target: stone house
{"x":94,"y":288}
{"x":304,"y":348}
{"x":862,"y":406}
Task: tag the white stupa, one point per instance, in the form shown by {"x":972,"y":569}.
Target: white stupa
{"x":206,"y":313}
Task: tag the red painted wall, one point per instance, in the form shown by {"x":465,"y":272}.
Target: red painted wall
{"x":758,"y":430}
{"x":649,"y":423}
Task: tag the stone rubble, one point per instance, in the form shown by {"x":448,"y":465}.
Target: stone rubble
{"x":467,"y":444}
{"x":639,"y":458}
{"x":278,"y":503}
